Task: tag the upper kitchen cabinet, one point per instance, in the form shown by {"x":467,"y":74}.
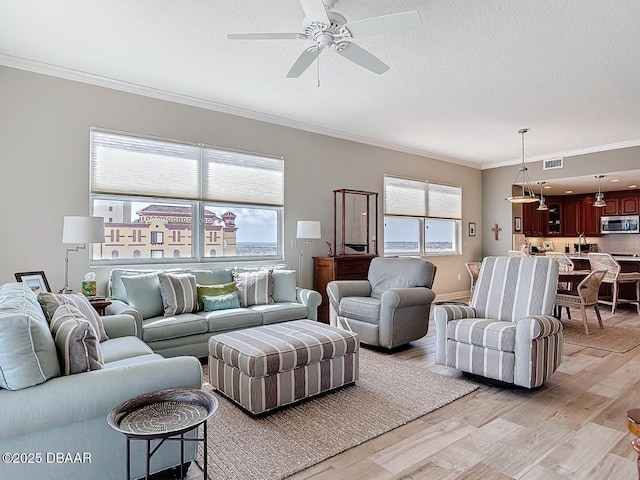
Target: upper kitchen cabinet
{"x":621,"y":203}
{"x":571,"y":221}
{"x":534,"y":222}
{"x":554,"y":218}
{"x":589,"y":217}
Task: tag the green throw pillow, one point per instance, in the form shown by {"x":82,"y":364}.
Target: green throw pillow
{"x":221,"y":302}
{"x":214,"y":290}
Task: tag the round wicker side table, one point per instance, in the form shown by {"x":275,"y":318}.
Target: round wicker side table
{"x":164,"y":415}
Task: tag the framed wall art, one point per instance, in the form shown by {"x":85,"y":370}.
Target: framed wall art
{"x":36,"y":280}
{"x":517,"y":224}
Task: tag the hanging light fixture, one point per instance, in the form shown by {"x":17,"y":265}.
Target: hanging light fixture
{"x":527,"y":195}
{"x":543,"y":205}
{"x":599,"y":196}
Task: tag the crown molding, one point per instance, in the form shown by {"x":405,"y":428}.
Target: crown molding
{"x":137,"y":89}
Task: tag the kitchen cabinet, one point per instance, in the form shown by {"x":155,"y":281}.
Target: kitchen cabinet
{"x":621,"y":203}
{"x":534,"y":222}
{"x":589,"y":217}
{"x":554,"y":218}
{"x":571,"y":216}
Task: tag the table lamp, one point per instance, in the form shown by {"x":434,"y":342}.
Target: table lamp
{"x":80,"y":230}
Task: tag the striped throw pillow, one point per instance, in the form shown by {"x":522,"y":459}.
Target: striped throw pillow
{"x":179,"y":293}
{"x":254,"y":288}
{"x":76,"y":342}
{"x":51,"y":301}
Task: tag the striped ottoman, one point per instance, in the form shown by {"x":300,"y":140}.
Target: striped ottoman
{"x":266,"y":367}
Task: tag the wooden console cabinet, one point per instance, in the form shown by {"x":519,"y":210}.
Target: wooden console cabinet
{"x":340,"y":267}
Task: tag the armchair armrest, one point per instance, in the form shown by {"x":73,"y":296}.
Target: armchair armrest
{"x":537,"y":326}
{"x":538,"y":349}
{"x":311,"y":299}
{"x":123,"y":325}
{"x":118,"y":307}
{"x":406,"y":297}
{"x":443,"y":314}
{"x":338,"y":289}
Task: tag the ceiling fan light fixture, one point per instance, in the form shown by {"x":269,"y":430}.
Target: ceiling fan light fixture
{"x":527,"y":195}
{"x":599,"y":196}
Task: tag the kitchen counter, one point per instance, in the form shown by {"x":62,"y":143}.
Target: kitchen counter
{"x":620,"y":259}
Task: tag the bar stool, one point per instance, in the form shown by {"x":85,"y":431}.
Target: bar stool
{"x":614,"y":276}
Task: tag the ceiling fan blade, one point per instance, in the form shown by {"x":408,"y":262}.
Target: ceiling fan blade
{"x":304,"y":61}
{"x":315,"y":11}
{"x":383,"y":24}
{"x":359,"y":55}
{"x":264,"y":36}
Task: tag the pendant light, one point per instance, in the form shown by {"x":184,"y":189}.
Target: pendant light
{"x":599,"y":196}
{"x":527,"y":195}
{"x":543,"y":206}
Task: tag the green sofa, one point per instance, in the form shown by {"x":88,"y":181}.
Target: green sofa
{"x":189,"y":333}
{"x":54,"y":426}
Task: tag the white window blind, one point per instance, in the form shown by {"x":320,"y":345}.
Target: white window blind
{"x":135,"y":166}
{"x":404,"y":197}
{"x":415,"y":198}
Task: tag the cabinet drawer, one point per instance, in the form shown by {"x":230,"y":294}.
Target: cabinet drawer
{"x":352,"y":270}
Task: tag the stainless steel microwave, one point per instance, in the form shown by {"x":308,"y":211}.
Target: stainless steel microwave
{"x":620,"y":224}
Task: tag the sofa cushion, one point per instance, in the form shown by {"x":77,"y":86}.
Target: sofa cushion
{"x":284,"y":286}
{"x":254,"y":288}
{"x":179,"y":293}
{"x":27,"y":350}
{"x":76,"y":341}
{"x":164,"y":327}
{"x":232,"y":319}
{"x":214,"y":289}
{"x":212,"y":277}
{"x":51,"y":301}
{"x":281,"y":312}
{"x":221,"y":302}
{"x":365,"y":309}
{"x":121,"y":348}
{"x":482,"y":332}
{"x":143,"y":294}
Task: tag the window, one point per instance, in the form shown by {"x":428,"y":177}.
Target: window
{"x":181,"y":202}
{"x":421,"y":218}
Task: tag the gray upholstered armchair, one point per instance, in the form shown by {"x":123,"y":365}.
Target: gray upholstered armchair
{"x":390,"y":308}
{"x":507,"y":332}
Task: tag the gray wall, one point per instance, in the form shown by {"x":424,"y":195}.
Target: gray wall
{"x":496,"y":182}
{"x":44,"y":158}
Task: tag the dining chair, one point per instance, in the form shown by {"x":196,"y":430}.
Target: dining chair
{"x":614,"y":276}
{"x":566,"y":264}
{"x":587,"y":296}
{"x":516,"y":253}
{"x":474,"y":270}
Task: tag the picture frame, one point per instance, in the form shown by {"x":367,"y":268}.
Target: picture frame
{"x":517,"y":224}
{"x":472,"y":229}
{"x":36,"y":280}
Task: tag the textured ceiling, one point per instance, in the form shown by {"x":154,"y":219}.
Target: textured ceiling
{"x":459,"y":88}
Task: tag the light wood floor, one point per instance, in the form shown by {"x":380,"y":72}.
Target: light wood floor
{"x":573,"y":427}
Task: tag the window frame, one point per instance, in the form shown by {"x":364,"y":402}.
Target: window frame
{"x":423,"y":219}
{"x":198,"y":239}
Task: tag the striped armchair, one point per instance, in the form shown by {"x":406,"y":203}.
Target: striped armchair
{"x":507,"y":332}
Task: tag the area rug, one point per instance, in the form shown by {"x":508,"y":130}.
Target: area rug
{"x":613,"y":338}
{"x":389,"y":394}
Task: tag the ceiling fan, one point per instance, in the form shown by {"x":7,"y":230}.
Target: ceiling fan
{"x":327,"y":28}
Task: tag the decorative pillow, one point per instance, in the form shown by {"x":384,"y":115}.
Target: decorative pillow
{"x":179,"y":293}
{"x":51,"y":301}
{"x":76,"y":341}
{"x":143,"y":294}
{"x":214,"y":290}
{"x":284,"y":286}
{"x":254,"y":288}
{"x":221,"y":302}
{"x":27,"y":351}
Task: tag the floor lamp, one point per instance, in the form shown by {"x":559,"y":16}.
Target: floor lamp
{"x":80,"y":230}
{"x":307,"y":231}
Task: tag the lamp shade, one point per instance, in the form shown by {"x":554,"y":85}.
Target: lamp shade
{"x":83,"y":230}
{"x":308,"y":229}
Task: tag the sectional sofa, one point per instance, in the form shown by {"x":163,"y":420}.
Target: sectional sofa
{"x":54,"y":425}
{"x":141,"y":294}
